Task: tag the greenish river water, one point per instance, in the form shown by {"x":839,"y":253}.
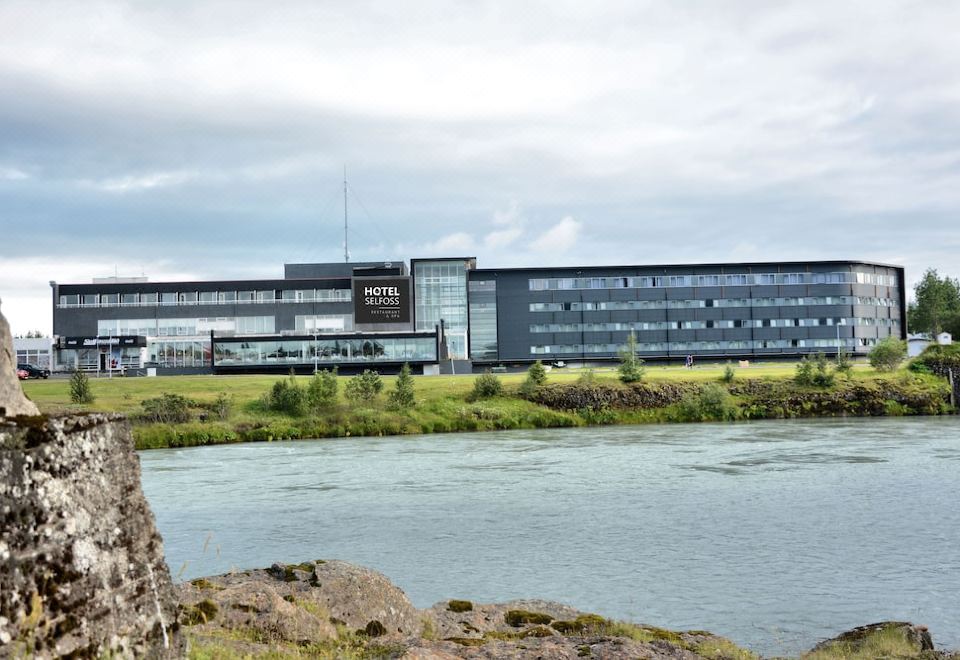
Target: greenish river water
{"x":776,"y":534}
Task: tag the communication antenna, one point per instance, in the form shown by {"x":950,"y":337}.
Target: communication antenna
{"x":346,"y":241}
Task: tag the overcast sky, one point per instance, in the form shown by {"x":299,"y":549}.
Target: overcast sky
{"x":208,"y":139}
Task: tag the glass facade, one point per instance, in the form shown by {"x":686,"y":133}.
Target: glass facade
{"x":697,"y":303}
{"x":440,"y":292}
{"x":185,"y":327}
{"x":483,"y":319}
{"x":190,"y":298}
{"x":711,"y":324}
{"x":736,"y":279}
{"x":177,"y":353}
{"x":369,"y":349}
{"x":36,"y":357}
{"x":679,"y":347}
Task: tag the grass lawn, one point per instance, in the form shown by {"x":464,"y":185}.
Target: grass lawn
{"x":124,"y":395}
{"x":443,"y":403}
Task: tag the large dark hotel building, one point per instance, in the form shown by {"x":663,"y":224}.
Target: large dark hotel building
{"x":448,"y":315}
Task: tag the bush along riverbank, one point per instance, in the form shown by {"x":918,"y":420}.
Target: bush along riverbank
{"x":262,"y":409}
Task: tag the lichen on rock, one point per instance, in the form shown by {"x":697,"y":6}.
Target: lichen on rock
{"x":82,"y":571}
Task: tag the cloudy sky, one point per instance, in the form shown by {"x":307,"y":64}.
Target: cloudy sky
{"x":208,"y":139}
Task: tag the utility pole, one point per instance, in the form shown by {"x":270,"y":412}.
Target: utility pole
{"x":346,"y":243}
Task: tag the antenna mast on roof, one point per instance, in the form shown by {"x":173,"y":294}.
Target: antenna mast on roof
{"x":346,"y":243}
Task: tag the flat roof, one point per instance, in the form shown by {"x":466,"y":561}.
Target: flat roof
{"x":725,"y":264}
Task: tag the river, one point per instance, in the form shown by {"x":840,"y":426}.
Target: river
{"x":776,"y":534}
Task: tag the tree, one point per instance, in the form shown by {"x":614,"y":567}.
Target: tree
{"x":631,"y":367}
{"x":536,"y":374}
{"x":937,"y":304}
{"x":322,"y":390}
{"x":402,"y":396}
{"x":888,"y":354}
{"x":80,"y":391}
{"x":536,"y":377}
{"x":363,"y":387}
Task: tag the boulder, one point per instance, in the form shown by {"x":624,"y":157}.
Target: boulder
{"x":361,"y":598}
{"x":254,"y":605}
{"x":12,"y":400}
{"x":857,"y":639}
{"x":82,"y":571}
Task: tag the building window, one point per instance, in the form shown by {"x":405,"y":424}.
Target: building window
{"x":441,"y":294}
{"x":483,"y":319}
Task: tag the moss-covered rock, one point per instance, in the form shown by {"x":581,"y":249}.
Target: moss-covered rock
{"x":520,"y":618}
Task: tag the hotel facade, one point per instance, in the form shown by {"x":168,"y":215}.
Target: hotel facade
{"x":442,"y":315}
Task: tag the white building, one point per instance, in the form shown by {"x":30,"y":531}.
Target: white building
{"x":34,"y":350}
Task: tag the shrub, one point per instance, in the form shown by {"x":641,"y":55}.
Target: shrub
{"x":814,"y":372}
{"x":223,"y":405}
{"x":575,"y":397}
{"x":486,"y":386}
{"x":402,"y":396}
{"x":287,"y":397}
{"x":728,"y":374}
{"x":712,"y":403}
{"x":80,"y":391}
{"x":822,"y":376}
{"x":888,"y":354}
{"x":586,"y":378}
{"x":804,"y":375}
{"x":938,"y":359}
{"x":322,"y":391}
{"x":528,"y":389}
{"x":167,"y":409}
{"x":631,"y":367}
{"x":844,"y":363}
{"x":536,"y":374}
{"x":363,"y":387}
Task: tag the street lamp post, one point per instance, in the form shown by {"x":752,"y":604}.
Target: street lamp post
{"x":314,"y":351}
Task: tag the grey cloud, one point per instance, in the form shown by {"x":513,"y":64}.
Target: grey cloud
{"x":215,"y":132}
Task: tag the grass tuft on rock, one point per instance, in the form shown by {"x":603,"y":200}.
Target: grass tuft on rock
{"x":202,"y":612}
{"x":459,"y":606}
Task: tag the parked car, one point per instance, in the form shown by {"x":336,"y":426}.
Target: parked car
{"x":22,"y":375}
{"x":33,"y":371}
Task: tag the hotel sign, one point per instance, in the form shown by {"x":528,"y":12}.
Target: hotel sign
{"x":381,"y":300}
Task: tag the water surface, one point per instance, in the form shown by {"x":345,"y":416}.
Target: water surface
{"x":776,"y":534}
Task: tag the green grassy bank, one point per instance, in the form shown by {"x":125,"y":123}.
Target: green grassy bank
{"x":224,"y":409}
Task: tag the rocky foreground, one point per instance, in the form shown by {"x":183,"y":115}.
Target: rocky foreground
{"x":335,"y":609}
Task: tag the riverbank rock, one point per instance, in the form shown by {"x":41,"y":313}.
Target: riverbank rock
{"x":882,"y":637}
{"x":82,"y":572}
{"x":12,"y":400}
{"x":311,"y":603}
{"x":332,"y":608}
